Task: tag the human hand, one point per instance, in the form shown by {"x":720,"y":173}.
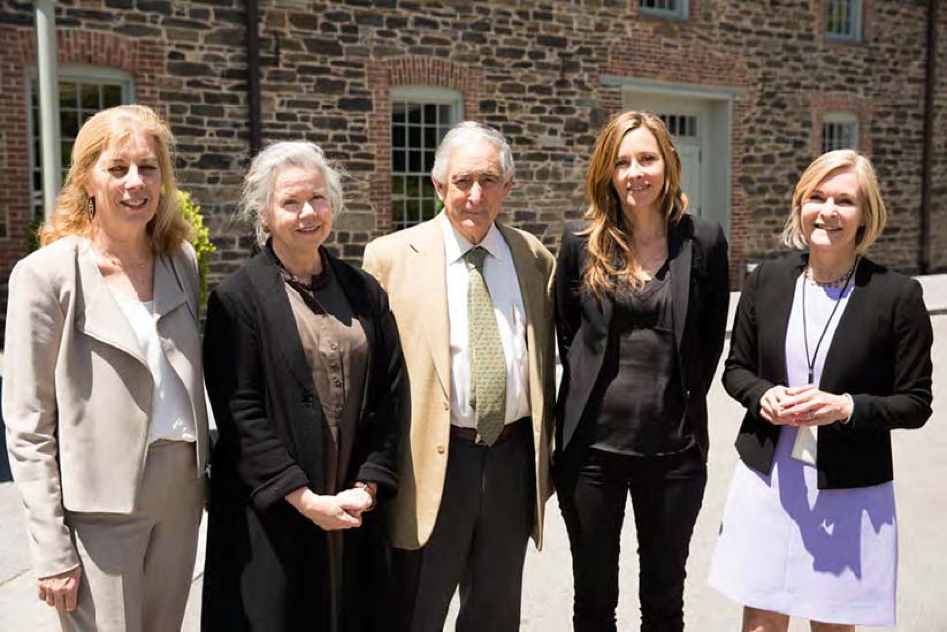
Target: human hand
{"x":61,"y":591}
{"x":326,"y":512}
{"x":771,"y":405}
{"x":809,"y":406}
{"x":356,"y":500}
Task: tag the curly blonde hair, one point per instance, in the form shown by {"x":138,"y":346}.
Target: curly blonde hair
{"x":168,"y":228}
{"x":611,"y":234}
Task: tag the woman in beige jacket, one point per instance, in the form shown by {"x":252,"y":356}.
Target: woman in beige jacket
{"x":103,"y":399}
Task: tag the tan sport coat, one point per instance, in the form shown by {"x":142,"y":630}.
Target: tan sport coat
{"x":410,"y":265}
{"x":77,"y":390}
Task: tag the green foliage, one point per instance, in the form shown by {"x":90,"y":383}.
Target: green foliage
{"x":200,"y":239}
{"x":32,"y":234}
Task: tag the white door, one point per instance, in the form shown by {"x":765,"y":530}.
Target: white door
{"x":690,"y":174}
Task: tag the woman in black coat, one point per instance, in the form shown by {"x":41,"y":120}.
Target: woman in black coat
{"x":308,"y":386}
{"x":641,"y":303}
{"x":830,"y":352}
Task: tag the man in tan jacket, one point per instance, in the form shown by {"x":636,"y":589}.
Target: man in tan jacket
{"x":474,"y":309}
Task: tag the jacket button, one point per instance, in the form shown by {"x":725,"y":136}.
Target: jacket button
{"x":446,"y":405}
{"x":440,"y":448}
{"x":687,"y":394}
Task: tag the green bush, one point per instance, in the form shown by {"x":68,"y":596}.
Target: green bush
{"x":200,"y":238}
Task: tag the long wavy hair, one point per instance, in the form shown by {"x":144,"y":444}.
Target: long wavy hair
{"x":611,"y":259}
{"x":168,"y":228}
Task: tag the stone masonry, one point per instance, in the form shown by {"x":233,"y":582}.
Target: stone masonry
{"x":533,"y":69}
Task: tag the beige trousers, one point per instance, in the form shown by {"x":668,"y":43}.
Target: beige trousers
{"x":136,"y":568}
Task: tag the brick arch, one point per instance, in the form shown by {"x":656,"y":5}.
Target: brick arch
{"x":409,"y":71}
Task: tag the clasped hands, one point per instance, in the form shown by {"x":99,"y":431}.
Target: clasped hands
{"x":332,"y":512}
{"x":804,"y":406}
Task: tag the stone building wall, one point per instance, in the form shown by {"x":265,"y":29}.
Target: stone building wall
{"x":537,"y":70}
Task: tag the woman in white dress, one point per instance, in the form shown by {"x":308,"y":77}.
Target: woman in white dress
{"x":830,"y":352}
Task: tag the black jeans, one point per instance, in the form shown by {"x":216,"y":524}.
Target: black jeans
{"x":666,"y":495}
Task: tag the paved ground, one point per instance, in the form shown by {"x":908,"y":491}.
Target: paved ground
{"x":547,"y":600}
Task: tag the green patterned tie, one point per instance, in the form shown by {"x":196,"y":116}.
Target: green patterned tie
{"x":487,"y":361}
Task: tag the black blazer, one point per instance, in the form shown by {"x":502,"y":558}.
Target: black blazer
{"x":880,"y":355}
{"x":267,"y":565}
{"x":700,"y":288}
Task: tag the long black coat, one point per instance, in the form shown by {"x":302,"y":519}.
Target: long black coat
{"x":267,"y":565}
{"x":700,"y":295}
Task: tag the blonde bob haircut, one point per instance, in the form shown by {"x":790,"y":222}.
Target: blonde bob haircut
{"x":873,"y":212}
{"x":611,"y":234}
{"x":72,"y":216}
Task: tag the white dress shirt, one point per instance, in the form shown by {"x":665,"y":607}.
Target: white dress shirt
{"x":171,"y":416}
{"x":499,"y":273}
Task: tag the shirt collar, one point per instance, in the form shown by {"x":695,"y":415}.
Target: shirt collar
{"x":456,"y":245}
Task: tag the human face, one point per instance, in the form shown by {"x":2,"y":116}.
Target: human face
{"x":299,"y":215}
{"x":126,"y":183}
{"x":831,"y":214}
{"x":638,"y":175}
{"x":475,"y":189}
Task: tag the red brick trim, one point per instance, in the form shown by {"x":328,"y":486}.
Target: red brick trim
{"x":823,"y":103}
{"x":142,"y":59}
{"x":409,"y":71}
{"x":868,"y":18}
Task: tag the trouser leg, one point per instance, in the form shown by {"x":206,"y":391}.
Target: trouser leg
{"x":175,"y":496}
{"x":666,"y":494}
{"x":432,"y":573}
{"x":592,"y":491}
{"x":491,"y":586}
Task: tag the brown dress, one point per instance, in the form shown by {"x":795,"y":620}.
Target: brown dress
{"x":336,"y":350}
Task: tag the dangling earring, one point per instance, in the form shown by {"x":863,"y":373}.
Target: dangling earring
{"x":90,"y":208}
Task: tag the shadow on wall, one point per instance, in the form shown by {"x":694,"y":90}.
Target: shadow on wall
{"x":5,"y":474}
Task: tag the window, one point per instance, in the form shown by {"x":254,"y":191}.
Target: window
{"x":665,"y":8}
{"x":420,"y":117}
{"x":839,"y":131}
{"x":680,"y":125}
{"x":81,"y":94}
{"x":843,"y":20}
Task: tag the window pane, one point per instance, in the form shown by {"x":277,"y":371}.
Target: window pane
{"x":414,"y":113}
{"x":397,"y":112}
{"x":89,"y":96}
{"x":397,"y":137}
{"x":397,"y":186}
{"x":68,"y":95}
{"x":111,"y":96}
{"x":414,"y":162}
{"x":414,"y":137}
{"x":444,"y":117}
{"x":398,"y":162}
{"x":68,"y":123}
{"x":430,"y":137}
{"x":65,"y":153}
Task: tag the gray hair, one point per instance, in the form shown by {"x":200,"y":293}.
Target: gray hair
{"x":258,"y":183}
{"x":467,"y":132}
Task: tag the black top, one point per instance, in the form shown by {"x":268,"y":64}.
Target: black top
{"x":880,"y":354}
{"x":642,"y":410}
{"x":697,"y":259}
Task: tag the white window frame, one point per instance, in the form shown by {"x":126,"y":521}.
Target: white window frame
{"x":679,"y":11}
{"x":426,"y":95}
{"x":68,"y":73}
{"x":840,"y":119}
{"x":854,"y":32}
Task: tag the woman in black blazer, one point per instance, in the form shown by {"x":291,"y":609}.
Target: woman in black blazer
{"x":830,"y":352}
{"x":308,"y":386}
{"x":641,"y":304}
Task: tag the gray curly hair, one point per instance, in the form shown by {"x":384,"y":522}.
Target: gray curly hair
{"x":258,"y":183}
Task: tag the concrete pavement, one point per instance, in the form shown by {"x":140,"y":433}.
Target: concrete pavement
{"x":547,"y":599}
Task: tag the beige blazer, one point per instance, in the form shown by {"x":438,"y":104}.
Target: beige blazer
{"x":77,"y":390}
{"x":410,"y":265}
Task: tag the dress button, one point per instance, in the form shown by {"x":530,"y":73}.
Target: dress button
{"x":333,"y":346}
{"x":338,"y":382}
{"x":440,"y":448}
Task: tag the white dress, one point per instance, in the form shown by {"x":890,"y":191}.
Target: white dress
{"x":787,"y":546}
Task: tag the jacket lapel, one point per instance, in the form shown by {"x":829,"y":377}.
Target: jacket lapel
{"x":98,"y":312}
{"x":429,"y":268}
{"x":681,"y":250}
{"x":265,"y":275}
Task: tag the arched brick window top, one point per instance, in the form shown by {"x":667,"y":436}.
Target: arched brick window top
{"x":391,"y":81}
